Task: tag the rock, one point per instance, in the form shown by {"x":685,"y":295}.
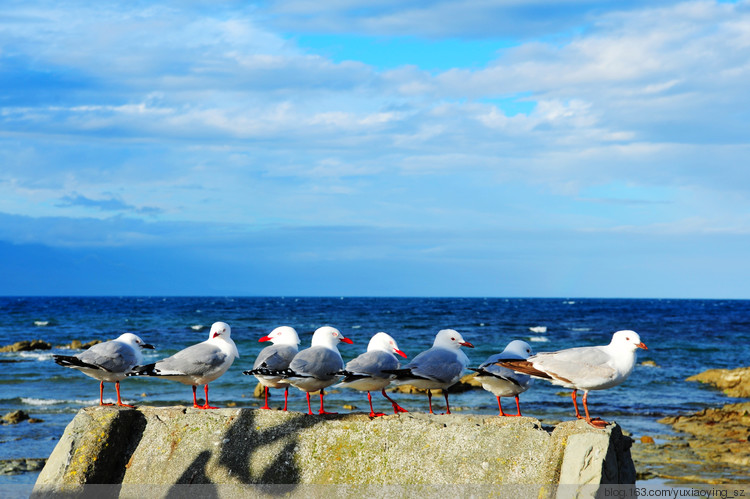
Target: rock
{"x":78,"y":345}
{"x":260,"y":392}
{"x":645,"y":439}
{"x":734,"y":382}
{"x":15,"y":417}
{"x":18,"y":466}
{"x":25,"y":346}
{"x":718,"y":435}
{"x":237,"y":447}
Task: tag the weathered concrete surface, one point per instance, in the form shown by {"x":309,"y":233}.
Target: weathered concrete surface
{"x":178,"y":445}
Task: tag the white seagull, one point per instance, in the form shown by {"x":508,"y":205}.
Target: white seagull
{"x":108,"y":361}
{"x":315,"y":368}
{"x":198,"y":364}
{"x":437,"y":368}
{"x":504,"y":382}
{"x":276,"y":356}
{"x":584,"y":368}
{"x":367,"y":372}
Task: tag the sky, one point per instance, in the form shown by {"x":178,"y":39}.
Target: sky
{"x":512,"y":148}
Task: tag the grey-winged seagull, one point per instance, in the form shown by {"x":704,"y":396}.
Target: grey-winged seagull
{"x":437,"y":368}
{"x":585,"y":368}
{"x":276,"y":356}
{"x":198,"y":364}
{"x":368,"y":371}
{"x":315,"y":368}
{"x":504,"y":382}
{"x":108,"y":361}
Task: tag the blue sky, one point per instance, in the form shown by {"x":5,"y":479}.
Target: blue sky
{"x":412,"y":148}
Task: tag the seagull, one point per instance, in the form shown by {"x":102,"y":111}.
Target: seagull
{"x":108,"y":361}
{"x":367,"y":371}
{"x":584,"y":368}
{"x":314,"y":368}
{"x":278,"y":355}
{"x":439,"y":367}
{"x":198,"y":364}
{"x":504,"y":382}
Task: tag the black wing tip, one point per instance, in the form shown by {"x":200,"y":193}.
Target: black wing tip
{"x":73,"y":361}
{"x":270,"y":372}
{"x":147,"y":370}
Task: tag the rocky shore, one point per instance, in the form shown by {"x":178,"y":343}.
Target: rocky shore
{"x":711,"y":446}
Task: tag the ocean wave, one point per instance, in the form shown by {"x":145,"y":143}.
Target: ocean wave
{"x":35,"y":355}
{"x":580,"y":329}
{"x":197,"y":327}
{"x":538,"y":339}
{"x":44,"y":402}
{"x":41,"y":323}
{"x":538,"y":329}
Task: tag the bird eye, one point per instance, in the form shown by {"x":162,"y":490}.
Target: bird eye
{"x":335,"y":334}
{"x":453,"y":339}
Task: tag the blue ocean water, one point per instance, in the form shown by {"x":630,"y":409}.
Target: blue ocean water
{"x":684,"y":337}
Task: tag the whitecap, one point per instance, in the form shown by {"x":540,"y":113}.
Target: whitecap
{"x":41,"y":323}
{"x":538,"y":339}
{"x":538,"y":329}
{"x":356,"y":327}
{"x":197,"y":327}
{"x":35,"y":355}
{"x":580,"y":329}
{"x":36,"y":401}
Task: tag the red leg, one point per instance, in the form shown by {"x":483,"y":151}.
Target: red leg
{"x":206,"y":406}
{"x":500,"y":408}
{"x":575,"y":404}
{"x":101,"y":394}
{"x":323,"y":411}
{"x":596,"y":422}
{"x":265,"y":392}
{"x":429,"y":400}
{"x":373,"y":414}
{"x":309,"y":408}
{"x":195,"y":400}
{"x":518,"y":406}
{"x":119,"y":402}
{"x":396,"y":408}
{"x":286,"y":396}
{"x":447,"y":405}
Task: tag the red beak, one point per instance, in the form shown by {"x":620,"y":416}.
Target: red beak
{"x":642,"y":345}
{"x":466,"y":344}
{"x":214,"y":335}
{"x":399,"y":352}
{"x":265,"y":338}
{"x":346,"y":340}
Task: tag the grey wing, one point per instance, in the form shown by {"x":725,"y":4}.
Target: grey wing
{"x":111,"y":356}
{"x":506,"y":374}
{"x":574,"y":363}
{"x":437,"y":364}
{"x":194,"y":360}
{"x":317,"y":361}
{"x":275,"y":357}
{"x":373,"y":363}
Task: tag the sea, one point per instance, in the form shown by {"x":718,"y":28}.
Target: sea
{"x":684,"y":337}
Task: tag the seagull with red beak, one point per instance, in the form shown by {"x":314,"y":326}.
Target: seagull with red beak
{"x":440,"y":367}
{"x":367,"y":372}
{"x":316,"y":368}
{"x":197,"y":364}
{"x":584,"y":368}
{"x":277,"y":356}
